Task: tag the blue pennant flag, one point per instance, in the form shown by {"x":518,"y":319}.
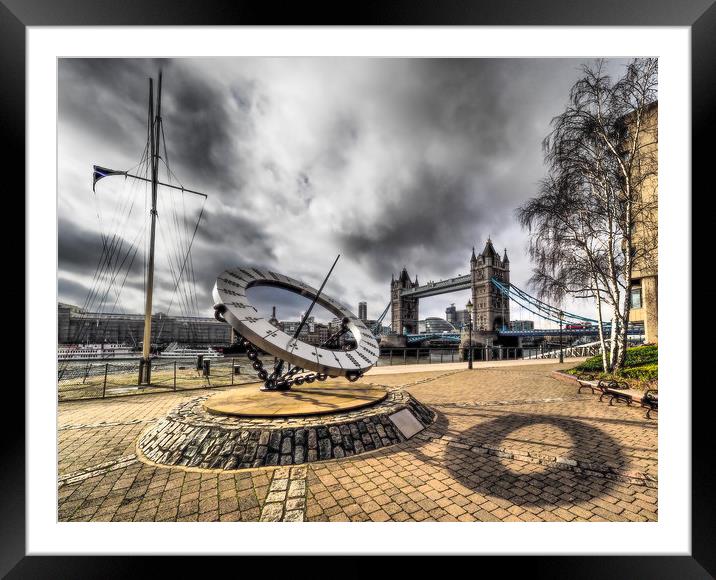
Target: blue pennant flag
{"x":100,"y":172}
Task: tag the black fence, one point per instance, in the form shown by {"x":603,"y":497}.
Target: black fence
{"x":405,"y":356}
{"x":93,"y":379}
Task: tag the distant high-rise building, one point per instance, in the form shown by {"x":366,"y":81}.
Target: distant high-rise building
{"x":273,"y":320}
{"x":451,"y":314}
{"x":460,"y":318}
{"x":363,"y":311}
{"x":522,"y":325}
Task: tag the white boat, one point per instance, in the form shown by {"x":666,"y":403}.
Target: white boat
{"x":94,"y":351}
{"x":175,"y":351}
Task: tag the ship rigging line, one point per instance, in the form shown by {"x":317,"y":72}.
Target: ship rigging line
{"x":109,"y":265}
{"x":191,"y":277}
{"x":196,"y":227}
{"x":118,"y":291}
{"x":180,"y":237}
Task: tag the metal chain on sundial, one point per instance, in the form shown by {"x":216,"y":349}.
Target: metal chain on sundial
{"x":278,"y":382}
{"x":283,"y":381}
{"x":275,"y":380}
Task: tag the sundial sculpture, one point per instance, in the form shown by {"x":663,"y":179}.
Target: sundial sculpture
{"x":294,"y":357}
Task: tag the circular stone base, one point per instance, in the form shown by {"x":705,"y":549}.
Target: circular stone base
{"x":313,"y":399}
{"x":192,"y":437}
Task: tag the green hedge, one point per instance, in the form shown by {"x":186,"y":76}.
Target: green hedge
{"x":642,"y":363}
{"x":643,"y":373}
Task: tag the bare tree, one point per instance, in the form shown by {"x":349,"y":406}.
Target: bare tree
{"x":591,"y":223}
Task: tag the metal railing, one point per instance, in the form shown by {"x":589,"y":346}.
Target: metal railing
{"x":406,"y":356}
{"x":93,"y":379}
{"x":571,"y":352}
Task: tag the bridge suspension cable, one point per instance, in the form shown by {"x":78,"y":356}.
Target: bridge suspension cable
{"x":536,"y":306}
{"x":376,"y":327}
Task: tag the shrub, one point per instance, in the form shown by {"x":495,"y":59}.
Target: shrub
{"x":640,"y":367}
{"x":646,"y":373}
{"x":640,"y":356}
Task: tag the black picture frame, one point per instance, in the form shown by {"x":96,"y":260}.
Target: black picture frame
{"x":699,"y":15}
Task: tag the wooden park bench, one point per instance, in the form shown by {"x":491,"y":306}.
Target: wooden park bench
{"x":616,"y":390}
{"x":650,"y":400}
{"x":586,"y":384}
{"x":620,"y":391}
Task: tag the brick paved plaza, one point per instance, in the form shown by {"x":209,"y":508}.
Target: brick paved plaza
{"x":510,"y":443}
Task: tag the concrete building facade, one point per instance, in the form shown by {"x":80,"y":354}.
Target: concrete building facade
{"x":75,"y":325}
{"x":644,"y":290}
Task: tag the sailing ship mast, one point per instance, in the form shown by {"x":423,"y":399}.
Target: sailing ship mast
{"x":145,"y":367}
{"x":154,"y":132}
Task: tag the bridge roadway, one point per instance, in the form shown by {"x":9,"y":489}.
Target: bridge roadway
{"x":441,"y":287}
{"x":455,"y":336}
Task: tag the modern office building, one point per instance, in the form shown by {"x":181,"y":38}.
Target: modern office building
{"x":363,"y":310}
{"x":451,"y":314}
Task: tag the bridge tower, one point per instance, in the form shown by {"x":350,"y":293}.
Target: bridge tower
{"x":404,"y":310}
{"x":492,"y":309}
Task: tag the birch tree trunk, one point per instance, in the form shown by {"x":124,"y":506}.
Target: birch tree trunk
{"x":600,"y":322}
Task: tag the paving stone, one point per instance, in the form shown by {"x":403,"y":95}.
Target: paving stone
{"x":297,"y":488}
{"x":272,"y":512}
{"x":324,"y":448}
{"x":508,"y":445}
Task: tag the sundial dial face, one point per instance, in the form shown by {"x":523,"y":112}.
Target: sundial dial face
{"x":230,"y":291}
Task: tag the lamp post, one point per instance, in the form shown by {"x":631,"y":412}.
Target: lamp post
{"x":561,"y":344}
{"x":469,"y":329}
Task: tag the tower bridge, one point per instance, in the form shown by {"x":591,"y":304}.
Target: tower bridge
{"x":491,"y":294}
{"x":491,"y":306}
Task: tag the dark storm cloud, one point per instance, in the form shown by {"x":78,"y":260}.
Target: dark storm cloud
{"x":78,"y":249}
{"x":391,"y":162}
{"x":420,"y":223}
{"x":485,"y":118}
{"x":107,"y":95}
{"x":228,"y":240}
{"x":110,"y":96}
{"x":80,"y":252}
{"x":207,"y":127}
{"x":70,"y":291}
{"x":233,"y":229}
{"x":479,"y":112}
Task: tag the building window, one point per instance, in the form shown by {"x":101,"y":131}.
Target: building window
{"x":636,"y":296}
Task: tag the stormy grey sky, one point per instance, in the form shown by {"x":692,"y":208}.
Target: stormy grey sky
{"x":390,"y":162}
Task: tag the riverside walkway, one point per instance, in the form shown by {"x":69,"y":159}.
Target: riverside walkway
{"x":511,"y":442}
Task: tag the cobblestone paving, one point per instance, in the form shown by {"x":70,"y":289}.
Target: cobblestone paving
{"x":509,"y":444}
{"x":193,"y":437}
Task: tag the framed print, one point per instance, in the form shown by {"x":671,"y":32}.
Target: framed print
{"x":382,"y":287}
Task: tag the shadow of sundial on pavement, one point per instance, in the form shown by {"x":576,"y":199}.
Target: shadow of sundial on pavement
{"x":540,"y":484}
